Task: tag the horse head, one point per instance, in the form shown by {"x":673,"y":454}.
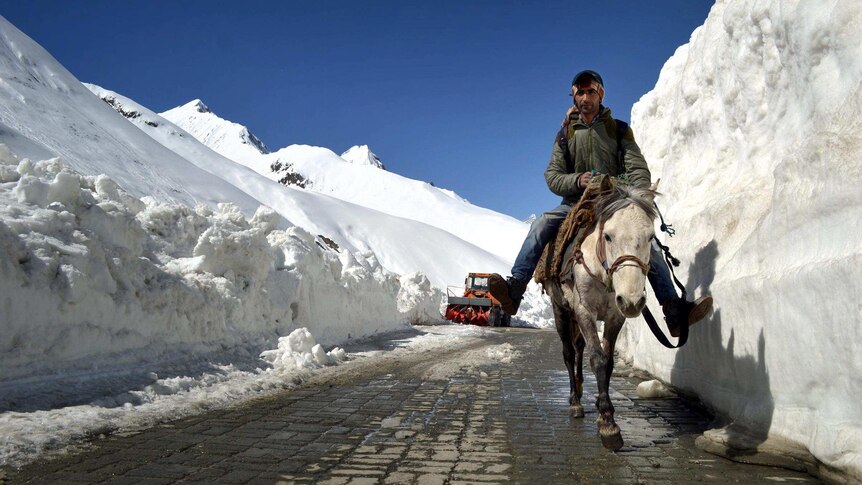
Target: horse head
{"x":626,"y":226}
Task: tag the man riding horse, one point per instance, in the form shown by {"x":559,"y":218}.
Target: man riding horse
{"x":589,"y":146}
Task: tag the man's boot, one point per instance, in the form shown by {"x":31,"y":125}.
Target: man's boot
{"x":679,"y":312}
{"x":508,"y":292}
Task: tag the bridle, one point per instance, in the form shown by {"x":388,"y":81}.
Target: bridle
{"x":621,"y":262}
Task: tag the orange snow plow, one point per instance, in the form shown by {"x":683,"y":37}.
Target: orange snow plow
{"x":476,"y":306}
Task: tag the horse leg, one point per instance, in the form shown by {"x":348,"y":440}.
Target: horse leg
{"x":576,"y":369}
{"x":579,"y":377}
{"x":609,"y":341}
{"x":567,"y":330}
{"x":613,"y":439}
{"x":608,"y":429}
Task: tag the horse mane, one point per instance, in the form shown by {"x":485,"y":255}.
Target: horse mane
{"x":622,"y":196}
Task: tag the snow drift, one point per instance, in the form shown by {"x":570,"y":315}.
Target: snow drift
{"x":95,"y":278}
{"x":755,"y":129}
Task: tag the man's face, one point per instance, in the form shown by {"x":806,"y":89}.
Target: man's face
{"x":587,"y":97}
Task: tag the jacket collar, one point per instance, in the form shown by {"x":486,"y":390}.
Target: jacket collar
{"x":604,"y":114}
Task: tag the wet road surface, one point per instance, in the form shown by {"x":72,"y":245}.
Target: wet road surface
{"x":425,"y":418}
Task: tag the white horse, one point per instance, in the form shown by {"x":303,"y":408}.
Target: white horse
{"x":608,"y":284}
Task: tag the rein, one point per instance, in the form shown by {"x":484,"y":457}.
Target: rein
{"x":601,"y":253}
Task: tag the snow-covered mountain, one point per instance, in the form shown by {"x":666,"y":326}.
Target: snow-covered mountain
{"x":322,"y":171}
{"x":362,"y":155}
{"x":355,"y":227}
{"x":755,"y":129}
{"x":221,"y":136}
{"x":46,"y":112}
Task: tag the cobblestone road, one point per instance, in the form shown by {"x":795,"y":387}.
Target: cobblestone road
{"x":505,"y":423}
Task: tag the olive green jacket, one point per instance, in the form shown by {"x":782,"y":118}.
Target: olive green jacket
{"x":594,"y":148}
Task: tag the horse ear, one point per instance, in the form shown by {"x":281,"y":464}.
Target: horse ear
{"x":653,"y":191}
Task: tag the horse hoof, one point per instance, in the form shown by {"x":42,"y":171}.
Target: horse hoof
{"x":613,"y":441}
{"x":577,"y":411}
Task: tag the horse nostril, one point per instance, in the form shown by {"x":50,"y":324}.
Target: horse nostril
{"x":642,"y":302}
{"x":620,"y":302}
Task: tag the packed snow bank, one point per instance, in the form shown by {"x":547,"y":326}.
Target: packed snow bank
{"x":755,"y":129}
{"x":535,"y":309}
{"x":96,"y":279}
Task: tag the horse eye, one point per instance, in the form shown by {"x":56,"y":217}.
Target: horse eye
{"x":607,"y":238}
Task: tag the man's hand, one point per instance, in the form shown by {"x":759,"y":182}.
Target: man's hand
{"x":584,"y":179}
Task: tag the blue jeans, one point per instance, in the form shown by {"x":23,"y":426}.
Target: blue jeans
{"x":545,"y":228}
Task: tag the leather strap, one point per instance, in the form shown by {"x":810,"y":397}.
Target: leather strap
{"x":659,"y":335}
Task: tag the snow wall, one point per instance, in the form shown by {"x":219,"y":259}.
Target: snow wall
{"x":93,"y":280}
{"x":755,"y":129}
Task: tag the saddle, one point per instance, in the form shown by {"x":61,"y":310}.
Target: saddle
{"x":574,"y":229}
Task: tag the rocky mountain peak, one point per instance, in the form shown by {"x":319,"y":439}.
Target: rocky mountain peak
{"x":362,"y":155}
{"x":199,"y":106}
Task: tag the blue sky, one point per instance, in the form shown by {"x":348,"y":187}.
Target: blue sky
{"x":465,"y":94}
